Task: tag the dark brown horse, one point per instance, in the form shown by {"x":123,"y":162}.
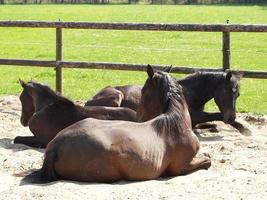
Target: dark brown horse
{"x":46,"y":113}
{"x":199,"y":88}
{"x":119,"y":96}
{"x":106,"y":151}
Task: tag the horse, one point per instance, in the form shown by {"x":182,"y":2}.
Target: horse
{"x":46,"y":113}
{"x":201,"y":87}
{"x":162,"y":144}
{"x":198,"y":88}
{"x":119,"y":96}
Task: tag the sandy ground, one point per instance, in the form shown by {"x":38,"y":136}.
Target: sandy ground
{"x":238,"y":171}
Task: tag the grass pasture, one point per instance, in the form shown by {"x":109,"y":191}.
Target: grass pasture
{"x":248,"y":50}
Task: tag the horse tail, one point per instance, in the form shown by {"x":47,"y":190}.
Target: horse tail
{"x":46,"y":174}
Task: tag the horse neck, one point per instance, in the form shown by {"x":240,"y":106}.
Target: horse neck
{"x":201,"y":87}
{"x":174,"y":122}
{"x":41,"y":100}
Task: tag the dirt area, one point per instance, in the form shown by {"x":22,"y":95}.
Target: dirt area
{"x":238,"y":171}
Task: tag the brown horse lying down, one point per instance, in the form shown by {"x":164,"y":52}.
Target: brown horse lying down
{"x":46,"y":113}
{"x":106,"y":151}
{"x":127,"y":96}
{"x":198,"y":89}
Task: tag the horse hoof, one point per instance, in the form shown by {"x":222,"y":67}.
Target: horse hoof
{"x":206,"y":164}
{"x":16,"y":140}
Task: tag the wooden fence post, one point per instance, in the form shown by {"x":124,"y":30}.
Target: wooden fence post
{"x":59,"y":56}
{"x":226,"y":50}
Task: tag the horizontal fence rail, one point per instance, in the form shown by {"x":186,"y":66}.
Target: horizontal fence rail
{"x":59,"y":63}
{"x":138,"y":26}
{"x":122,"y":66}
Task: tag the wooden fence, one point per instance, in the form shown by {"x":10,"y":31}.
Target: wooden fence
{"x":58,"y":63}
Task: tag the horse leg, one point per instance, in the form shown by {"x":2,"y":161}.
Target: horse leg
{"x":206,"y":126}
{"x":198,"y":117}
{"x":31,"y":141}
{"x":183,"y":168}
{"x":241,"y":128}
{"x":196,"y":164}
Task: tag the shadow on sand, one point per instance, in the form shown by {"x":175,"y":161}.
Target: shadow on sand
{"x":7,"y":143}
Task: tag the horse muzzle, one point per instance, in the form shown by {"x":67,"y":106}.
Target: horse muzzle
{"x":24,"y":122}
{"x":229,"y":117}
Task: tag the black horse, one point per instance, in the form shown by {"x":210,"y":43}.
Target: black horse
{"x":198,"y":88}
{"x":201,"y":87}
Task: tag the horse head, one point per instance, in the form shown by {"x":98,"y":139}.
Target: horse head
{"x":226,"y":94}
{"x":27,"y":102}
{"x":154,"y":96}
{"x":36,"y":96}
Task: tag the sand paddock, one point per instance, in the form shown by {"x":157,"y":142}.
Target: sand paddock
{"x":238,"y":171}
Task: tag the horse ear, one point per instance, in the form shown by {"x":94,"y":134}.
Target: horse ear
{"x":228,"y":76}
{"x":239,"y":75}
{"x":150,"y":71}
{"x":168,"y":69}
{"x":22,"y":83}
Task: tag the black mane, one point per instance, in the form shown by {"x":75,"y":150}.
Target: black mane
{"x":46,"y":90}
{"x":209,"y":76}
{"x":172,"y":118}
{"x":200,"y":86}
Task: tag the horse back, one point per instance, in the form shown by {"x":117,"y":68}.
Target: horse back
{"x":111,"y":150}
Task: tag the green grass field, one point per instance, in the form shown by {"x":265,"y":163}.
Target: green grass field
{"x":248,"y":50}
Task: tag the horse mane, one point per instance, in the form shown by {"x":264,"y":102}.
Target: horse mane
{"x":214,"y":77}
{"x":208,"y":77}
{"x":172,"y":118}
{"x":204,"y":84}
{"x":55,"y":95}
